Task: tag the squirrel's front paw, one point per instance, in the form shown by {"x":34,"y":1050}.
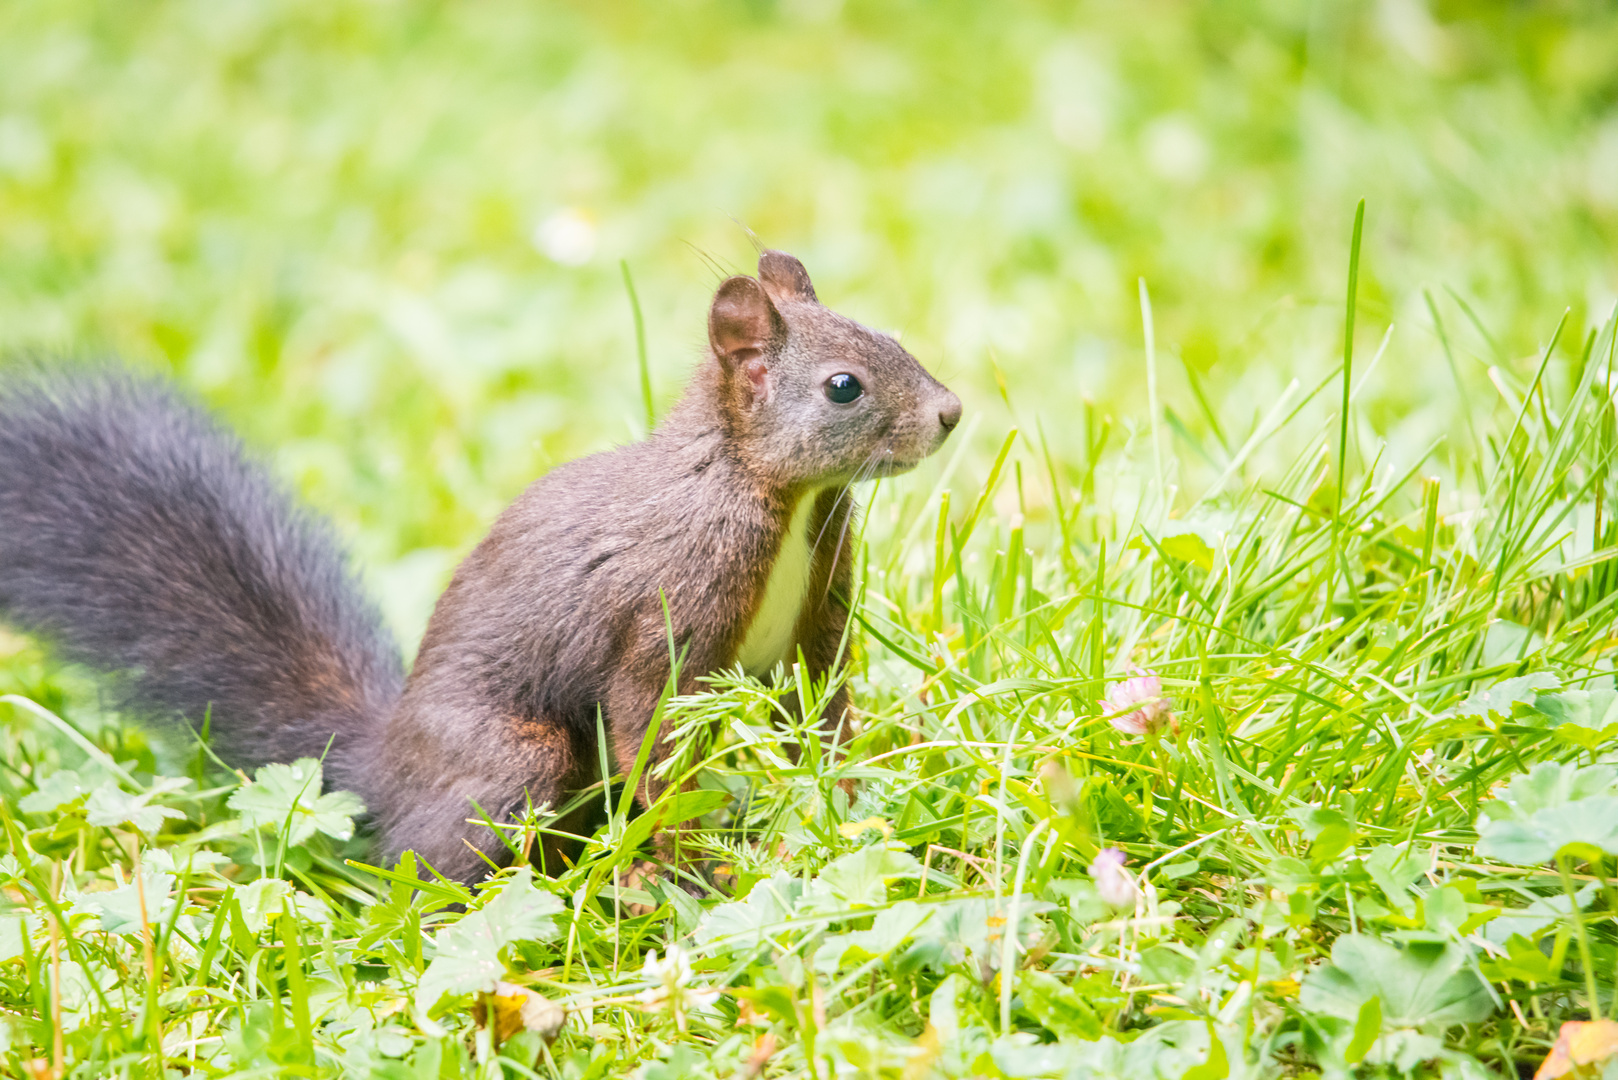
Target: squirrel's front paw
{"x":641,"y":873}
{"x":647,"y":876}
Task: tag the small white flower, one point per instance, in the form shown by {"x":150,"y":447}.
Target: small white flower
{"x":1137,"y":706}
{"x":1175,"y":149}
{"x":672,"y":991}
{"x":1115,"y":884}
{"x":567,"y":236}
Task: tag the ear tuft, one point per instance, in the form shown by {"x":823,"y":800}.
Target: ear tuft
{"x":742,"y":322}
{"x":785,"y":277}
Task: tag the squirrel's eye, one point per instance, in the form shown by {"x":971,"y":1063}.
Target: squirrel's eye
{"x":843,"y":389}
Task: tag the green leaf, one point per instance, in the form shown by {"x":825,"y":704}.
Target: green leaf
{"x":861,"y":877}
{"x":972,"y":927}
{"x":174,"y":860}
{"x":120,"y":909}
{"x":1540,"y":914}
{"x":740,"y":925}
{"x":56,"y":791}
{"x":1314,"y":820}
{"x":687,"y":911}
{"x":1330,"y":844}
{"x":1217,"y":1065}
{"x":1367,"y":1026}
{"x":14,"y":927}
{"x":778,"y":1001}
{"x":1423,"y":984}
{"x":109,"y":806}
{"x":1164,"y":964}
{"x":467,"y":957}
{"x":1188,"y":547}
{"x":1586,"y":718}
{"x":1498,"y":699}
{"x":682,"y":1063}
{"x":1057,"y":1006}
{"x":1523,"y":962}
{"x":681,"y":806}
{"x":257,"y":901}
{"x":943,"y":1009}
{"x":1595,"y":709}
{"x":1548,"y":809}
{"x":520,"y":912}
{"x":280,"y":793}
{"x":891,"y":929}
{"x":1445,"y":911}
{"x":1394,"y":871}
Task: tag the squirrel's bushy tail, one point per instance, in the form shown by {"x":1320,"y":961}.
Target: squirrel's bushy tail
{"x":138,"y":537}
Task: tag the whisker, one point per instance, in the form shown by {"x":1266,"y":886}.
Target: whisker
{"x":837,"y":552}
{"x":866,"y":470}
{"x":863,"y":473}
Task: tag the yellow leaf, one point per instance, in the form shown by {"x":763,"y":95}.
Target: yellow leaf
{"x":1579,"y":1046}
{"x":851,"y":829}
{"x":511,"y":1008}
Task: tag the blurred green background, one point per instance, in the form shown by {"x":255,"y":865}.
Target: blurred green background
{"x":383,"y":236}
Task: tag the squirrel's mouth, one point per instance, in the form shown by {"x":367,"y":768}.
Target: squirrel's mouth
{"x":893,"y":467}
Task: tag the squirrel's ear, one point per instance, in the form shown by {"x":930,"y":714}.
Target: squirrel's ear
{"x":742,"y":323}
{"x":785,"y":276}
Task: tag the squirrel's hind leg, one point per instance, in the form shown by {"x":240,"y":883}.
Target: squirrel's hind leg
{"x":630,"y":708}
{"x":503,"y":765}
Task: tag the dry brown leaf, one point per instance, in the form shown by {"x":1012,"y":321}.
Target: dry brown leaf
{"x":513,"y":1008}
{"x":1581,"y":1047}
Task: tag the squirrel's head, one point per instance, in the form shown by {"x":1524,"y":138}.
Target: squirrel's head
{"x":814,"y":398}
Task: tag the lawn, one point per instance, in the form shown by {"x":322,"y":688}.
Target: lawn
{"x":1235,"y":689}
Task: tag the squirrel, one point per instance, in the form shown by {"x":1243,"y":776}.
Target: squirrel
{"x":138,"y":537}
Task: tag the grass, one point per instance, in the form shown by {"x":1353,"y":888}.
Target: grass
{"x":422,"y":252}
{"x":1353,"y":848}
{"x":340,"y":222}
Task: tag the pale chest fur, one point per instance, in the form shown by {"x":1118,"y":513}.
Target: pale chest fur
{"x":770,"y":636}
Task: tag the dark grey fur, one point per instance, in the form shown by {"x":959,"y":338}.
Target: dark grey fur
{"x":135,"y":536}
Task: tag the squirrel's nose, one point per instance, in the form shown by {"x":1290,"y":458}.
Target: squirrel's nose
{"x":949,"y":413}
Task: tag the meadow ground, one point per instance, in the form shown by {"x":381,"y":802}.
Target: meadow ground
{"x":1357,"y":581}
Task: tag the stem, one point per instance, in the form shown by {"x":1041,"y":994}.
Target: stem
{"x":1008,"y":941}
{"x":1151,"y":387}
{"x":58,"y":1050}
{"x":640,"y":346}
{"x":1611,"y":896}
{"x":1348,"y":378}
{"x":154,"y":1021}
{"x":1583,"y":936}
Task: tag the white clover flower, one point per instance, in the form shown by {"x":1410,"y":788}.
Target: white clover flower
{"x":1137,"y":706}
{"x":672,"y":991}
{"x":1115,"y":884}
